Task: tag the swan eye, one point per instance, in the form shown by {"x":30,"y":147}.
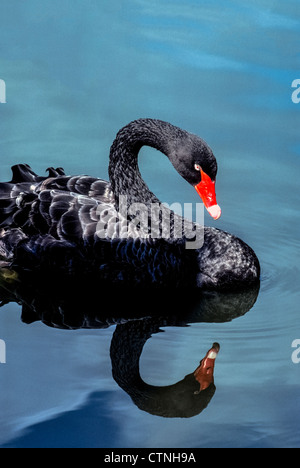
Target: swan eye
{"x":197,"y":167}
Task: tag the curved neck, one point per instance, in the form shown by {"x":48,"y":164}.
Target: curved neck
{"x":179,"y":400}
{"x":124,"y":173}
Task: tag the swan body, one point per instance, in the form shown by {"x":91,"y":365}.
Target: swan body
{"x":72,"y":224}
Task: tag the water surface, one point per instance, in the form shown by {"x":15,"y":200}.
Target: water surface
{"x":75,"y":73}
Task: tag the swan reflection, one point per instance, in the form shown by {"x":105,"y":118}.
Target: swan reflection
{"x":183,"y":399}
{"x":79,"y":303}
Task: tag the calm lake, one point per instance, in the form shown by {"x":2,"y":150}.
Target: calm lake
{"x":75,"y":73}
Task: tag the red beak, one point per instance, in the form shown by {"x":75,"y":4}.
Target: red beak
{"x":204,"y":374}
{"x":207,"y":191}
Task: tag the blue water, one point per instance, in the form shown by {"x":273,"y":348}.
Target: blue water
{"x":75,"y":72}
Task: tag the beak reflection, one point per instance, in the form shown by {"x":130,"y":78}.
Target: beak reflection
{"x":204,"y":374}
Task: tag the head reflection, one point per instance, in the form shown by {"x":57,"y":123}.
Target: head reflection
{"x":184,"y":399}
{"x":80,"y":303}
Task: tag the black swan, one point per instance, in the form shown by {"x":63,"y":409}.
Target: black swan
{"x":71,"y":224}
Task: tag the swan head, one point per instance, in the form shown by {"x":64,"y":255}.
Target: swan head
{"x":190,"y":155}
{"x":195,"y":162}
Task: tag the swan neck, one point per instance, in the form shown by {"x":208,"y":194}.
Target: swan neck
{"x":124,"y":172}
